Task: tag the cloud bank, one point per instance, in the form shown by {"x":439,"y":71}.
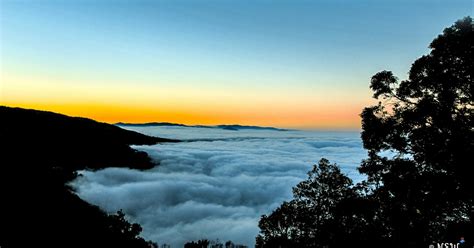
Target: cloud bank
{"x":218,"y":184}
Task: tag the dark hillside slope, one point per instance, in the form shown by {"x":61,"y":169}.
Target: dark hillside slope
{"x":40,"y":152}
{"x":71,"y":142}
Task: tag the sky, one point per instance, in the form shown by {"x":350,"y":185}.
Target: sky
{"x":296,"y":64}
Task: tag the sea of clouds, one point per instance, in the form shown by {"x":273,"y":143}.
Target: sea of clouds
{"x":218,"y":182}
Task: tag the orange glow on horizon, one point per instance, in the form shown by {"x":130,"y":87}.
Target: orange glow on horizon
{"x":348,"y":119}
{"x":286,"y":108}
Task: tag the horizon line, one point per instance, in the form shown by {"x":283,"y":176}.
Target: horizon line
{"x":303,"y":127}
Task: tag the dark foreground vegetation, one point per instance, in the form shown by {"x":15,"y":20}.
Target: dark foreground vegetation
{"x":419,"y":187}
{"x":40,"y":153}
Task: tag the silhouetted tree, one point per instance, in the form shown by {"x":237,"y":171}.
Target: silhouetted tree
{"x":229,"y":244}
{"x":310,"y":218}
{"x":119,"y":225}
{"x":419,"y":182}
{"x":202,"y":243}
{"x":426,"y":124}
{"x":279,"y":229}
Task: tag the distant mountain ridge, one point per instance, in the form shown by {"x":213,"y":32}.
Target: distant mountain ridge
{"x":232,"y":127}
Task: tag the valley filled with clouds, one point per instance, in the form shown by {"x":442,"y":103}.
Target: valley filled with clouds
{"x":217,"y":183}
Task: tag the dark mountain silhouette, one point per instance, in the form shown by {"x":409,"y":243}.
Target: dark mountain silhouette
{"x":151,"y":124}
{"x":241,"y":127}
{"x":233,"y":127}
{"x":40,"y":152}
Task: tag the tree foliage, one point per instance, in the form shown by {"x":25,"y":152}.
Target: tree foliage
{"x":419,"y":182}
{"x":315,"y":215}
{"x":202,"y":243}
{"x":426,"y":123}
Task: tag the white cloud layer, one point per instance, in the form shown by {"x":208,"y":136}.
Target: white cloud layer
{"x":219,"y":183}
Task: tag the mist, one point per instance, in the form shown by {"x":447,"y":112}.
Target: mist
{"x":217,"y":183}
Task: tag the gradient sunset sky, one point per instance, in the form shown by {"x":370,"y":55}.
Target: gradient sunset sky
{"x":299,"y":64}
